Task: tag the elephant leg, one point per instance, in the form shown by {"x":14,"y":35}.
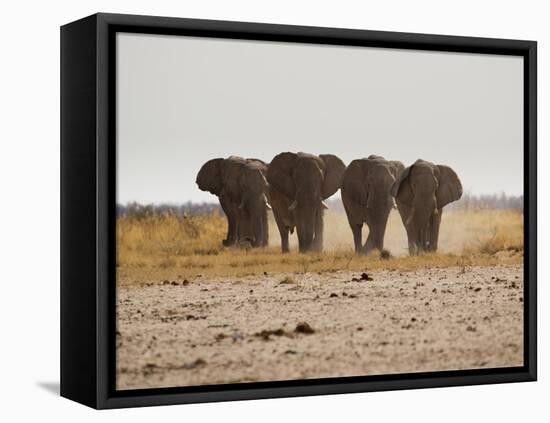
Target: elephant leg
{"x":318,"y":238}
{"x":283,"y":231}
{"x":434,"y":233}
{"x":375,"y":240}
{"x":232,"y":229}
{"x":356,"y":229}
{"x":302,"y":248}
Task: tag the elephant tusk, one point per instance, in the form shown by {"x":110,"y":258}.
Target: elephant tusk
{"x":267,"y":205}
{"x":324,"y":205}
{"x":293,"y":205}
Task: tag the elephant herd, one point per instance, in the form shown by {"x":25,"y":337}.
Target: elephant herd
{"x":295,"y":185}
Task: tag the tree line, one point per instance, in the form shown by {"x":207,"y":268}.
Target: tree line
{"x":468,"y":201}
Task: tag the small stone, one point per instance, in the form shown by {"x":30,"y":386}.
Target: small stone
{"x":304,"y":327}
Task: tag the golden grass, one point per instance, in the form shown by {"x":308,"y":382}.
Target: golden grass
{"x":165,"y":245}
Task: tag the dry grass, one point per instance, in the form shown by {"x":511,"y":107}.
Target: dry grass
{"x":165,"y":245}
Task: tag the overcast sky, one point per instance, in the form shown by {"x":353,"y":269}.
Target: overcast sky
{"x":184,"y":100}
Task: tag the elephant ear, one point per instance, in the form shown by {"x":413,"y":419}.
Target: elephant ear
{"x":209,"y":177}
{"x":450,"y":187}
{"x":334,"y":172}
{"x":401,"y":188}
{"x":279,"y":173}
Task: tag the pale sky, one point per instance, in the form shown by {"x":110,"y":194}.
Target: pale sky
{"x":184,"y":100}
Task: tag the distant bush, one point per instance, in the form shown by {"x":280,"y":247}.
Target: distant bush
{"x":180,"y":210}
{"x":488,"y":201}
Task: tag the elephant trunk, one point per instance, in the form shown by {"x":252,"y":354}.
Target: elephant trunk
{"x":420,"y":218}
{"x":307,"y":217}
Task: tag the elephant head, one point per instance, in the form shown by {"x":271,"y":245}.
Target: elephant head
{"x":299,"y":182}
{"x":209,"y":177}
{"x":241,"y":186}
{"x":421,"y":192}
{"x":366,"y":194}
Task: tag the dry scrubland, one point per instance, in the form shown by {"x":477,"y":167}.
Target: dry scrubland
{"x":163,"y":245}
{"x":191,"y":312}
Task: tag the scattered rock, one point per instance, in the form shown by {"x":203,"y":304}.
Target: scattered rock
{"x":192,"y":317}
{"x":237,"y":336}
{"x":166,"y":282}
{"x":287,"y":280}
{"x":364,"y":277}
{"x":477,"y":289}
{"x":290,"y":352}
{"x":265,"y":334}
{"x":185,"y":282}
{"x":471,"y":329}
{"x":359,"y":329}
{"x":199,"y":362}
{"x":220,"y":336}
{"x":333,"y":295}
{"x":304,"y":327}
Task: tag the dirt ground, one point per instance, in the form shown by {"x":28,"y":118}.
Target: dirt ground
{"x":213,"y":330}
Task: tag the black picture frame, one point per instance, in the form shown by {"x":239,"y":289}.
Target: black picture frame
{"x":88,"y":209}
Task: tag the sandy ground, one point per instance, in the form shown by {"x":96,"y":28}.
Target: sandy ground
{"x":215,"y":330}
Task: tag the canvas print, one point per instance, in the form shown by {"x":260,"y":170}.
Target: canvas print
{"x":291,"y":211}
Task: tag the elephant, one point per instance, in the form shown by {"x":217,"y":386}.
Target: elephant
{"x":421,"y":192}
{"x":298,"y":185}
{"x":366,"y":195}
{"x":242,"y":188}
